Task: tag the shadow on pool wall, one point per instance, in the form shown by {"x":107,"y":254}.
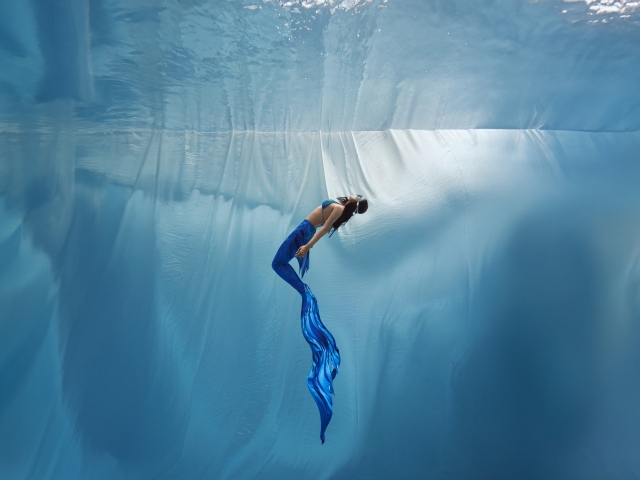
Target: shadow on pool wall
{"x":542,"y":388}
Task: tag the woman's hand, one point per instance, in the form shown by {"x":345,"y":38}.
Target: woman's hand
{"x":302,"y":251}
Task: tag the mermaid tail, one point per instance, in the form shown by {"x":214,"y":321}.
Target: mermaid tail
{"x":326,"y":357}
{"x":325,"y":361}
{"x":300,"y":236}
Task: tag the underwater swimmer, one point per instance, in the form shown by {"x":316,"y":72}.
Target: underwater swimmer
{"x":326,"y":357}
{"x":329,"y":216}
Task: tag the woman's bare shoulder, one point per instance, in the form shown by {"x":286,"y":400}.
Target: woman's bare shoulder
{"x":335,"y":207}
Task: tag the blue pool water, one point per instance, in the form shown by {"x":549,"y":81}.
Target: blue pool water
{"x":154,"y":155}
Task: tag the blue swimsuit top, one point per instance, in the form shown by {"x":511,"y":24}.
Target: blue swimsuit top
{"x":325,"y":204}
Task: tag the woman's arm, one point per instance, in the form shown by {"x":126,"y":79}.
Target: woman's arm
{"x":336,"y":211}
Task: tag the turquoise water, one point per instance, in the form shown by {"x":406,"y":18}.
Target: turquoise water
{"x":154,"y":155}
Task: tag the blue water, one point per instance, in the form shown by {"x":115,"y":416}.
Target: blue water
{"x":154,"y":155}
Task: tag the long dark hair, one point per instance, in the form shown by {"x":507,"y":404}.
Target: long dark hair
{"x":349,"y":211}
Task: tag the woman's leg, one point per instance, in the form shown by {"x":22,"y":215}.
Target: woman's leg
{"x":284,"y":255}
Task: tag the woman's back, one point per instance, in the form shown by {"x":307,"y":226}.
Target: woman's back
{"x":328,"y":202}
{"x":321,"y":214}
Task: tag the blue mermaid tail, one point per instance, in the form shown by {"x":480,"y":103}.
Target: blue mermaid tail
{"x":326,"y":356}
{"x":325,"y":361}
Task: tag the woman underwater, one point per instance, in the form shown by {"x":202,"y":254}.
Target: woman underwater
{"x":326,"y":357}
